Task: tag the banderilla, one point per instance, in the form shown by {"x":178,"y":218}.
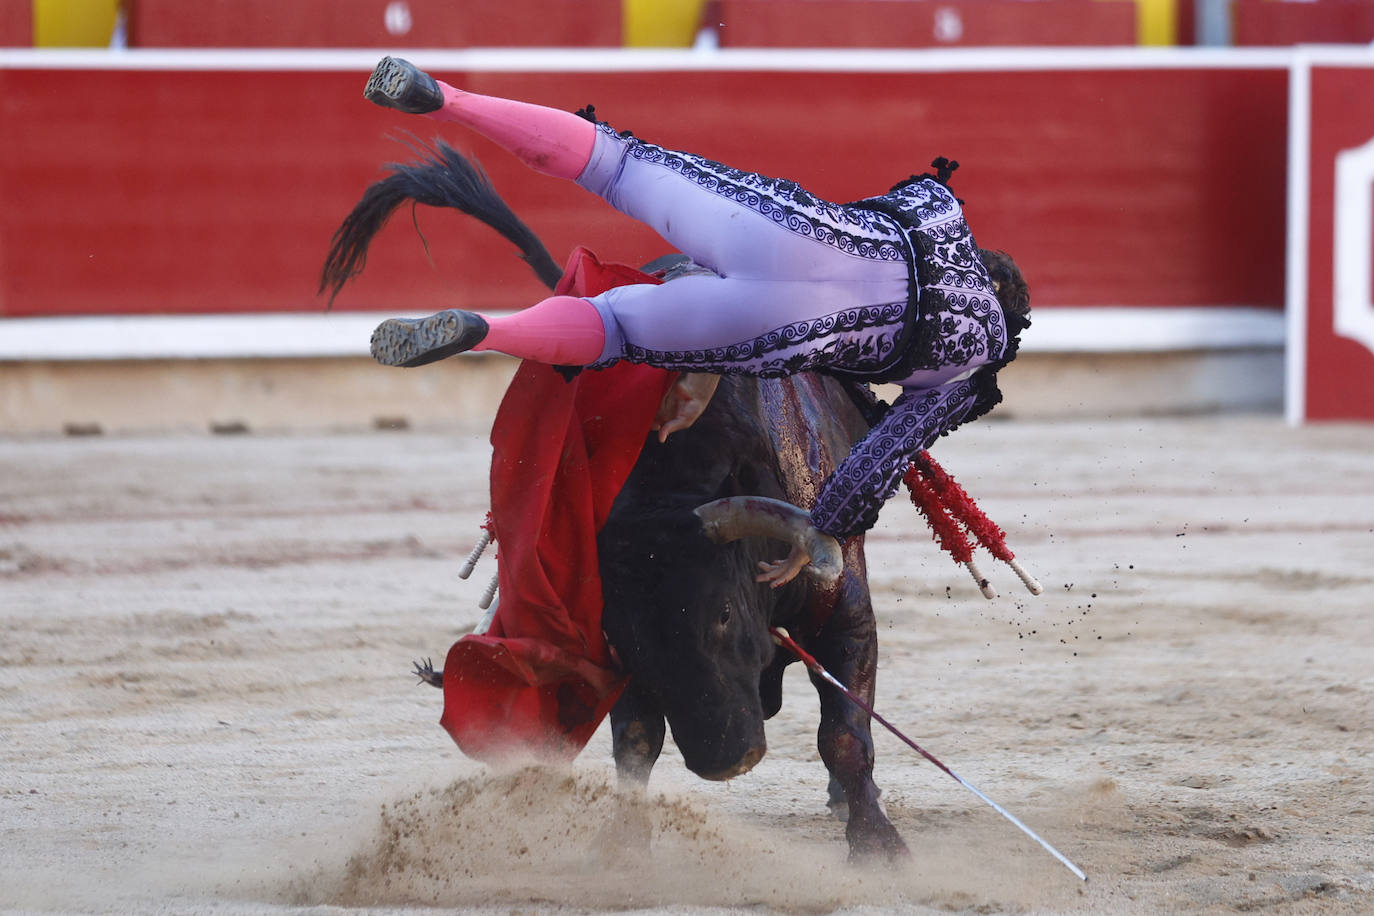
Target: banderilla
{"x":781,"y":637}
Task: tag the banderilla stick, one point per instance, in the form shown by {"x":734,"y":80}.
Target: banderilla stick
{"x":490,"y":593}
{"x":781,"y":637}
{"x":476,"y":555}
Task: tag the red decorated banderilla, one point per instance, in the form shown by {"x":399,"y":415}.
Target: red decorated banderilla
{"x":953,"y":516}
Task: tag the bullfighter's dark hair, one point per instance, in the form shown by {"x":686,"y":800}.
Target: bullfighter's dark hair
{"x":441,"y":178}
{"x":1012,"y":292}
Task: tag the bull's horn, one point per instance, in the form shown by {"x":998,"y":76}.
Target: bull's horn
{"x":736,"y":517}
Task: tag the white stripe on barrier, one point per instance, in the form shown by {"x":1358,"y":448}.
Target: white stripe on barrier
{"x":1151,"y":330}
{"x":346,"y":334}
{"x":248,"y":336}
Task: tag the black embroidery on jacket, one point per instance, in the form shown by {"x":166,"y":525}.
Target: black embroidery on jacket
{"x":852,"y":496}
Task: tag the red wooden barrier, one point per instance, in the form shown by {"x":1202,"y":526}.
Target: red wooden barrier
{"x":924,"y":23}
{"x":1292,"y":22}
{"x":200,"y":191}
{"x":374,"y":23}
{"x":16,"y":24}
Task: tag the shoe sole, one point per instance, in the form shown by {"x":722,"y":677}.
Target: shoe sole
{"x":391,"y":81}
{"x":409,"y":342}
{"x":387,"y":82}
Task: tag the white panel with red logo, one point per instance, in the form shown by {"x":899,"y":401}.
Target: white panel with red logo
{"x":1330,"y":243}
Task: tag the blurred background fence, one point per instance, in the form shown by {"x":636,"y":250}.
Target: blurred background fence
{"x":172,"y":172}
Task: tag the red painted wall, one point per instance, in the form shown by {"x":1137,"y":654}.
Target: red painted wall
{"x":920,"y":23}
{"x":1285,"y":22}
{"x":362,"y":24}
{"x":16,"y":24}
{"x":153,"y":191}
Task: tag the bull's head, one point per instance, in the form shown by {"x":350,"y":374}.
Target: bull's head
{"x":689,"y":620}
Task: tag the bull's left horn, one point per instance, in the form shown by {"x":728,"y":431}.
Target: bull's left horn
{"x":736,"y":517}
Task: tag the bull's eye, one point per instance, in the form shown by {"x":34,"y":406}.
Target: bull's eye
{"x":725,"y":615}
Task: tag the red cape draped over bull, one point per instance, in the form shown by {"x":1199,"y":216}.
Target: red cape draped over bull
{"x":541,"y":680}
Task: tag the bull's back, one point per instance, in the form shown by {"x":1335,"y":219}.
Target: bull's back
{"x":779,"y":437}
{"x":811,"y":423}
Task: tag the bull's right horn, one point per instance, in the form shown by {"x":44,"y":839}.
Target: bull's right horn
{"x":735,"y":517}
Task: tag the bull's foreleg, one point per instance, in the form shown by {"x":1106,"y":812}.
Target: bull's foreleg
{"x":637,"y":732}
{"x":848,"y":648}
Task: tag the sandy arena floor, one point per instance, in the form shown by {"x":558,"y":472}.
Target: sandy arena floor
{"x":205,"y":703}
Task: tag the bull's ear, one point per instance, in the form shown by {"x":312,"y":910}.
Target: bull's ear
{"x":735,"y":517}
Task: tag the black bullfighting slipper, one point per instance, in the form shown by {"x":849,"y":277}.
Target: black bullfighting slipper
{"x":401,"y":85}
{"x":418,"y":341}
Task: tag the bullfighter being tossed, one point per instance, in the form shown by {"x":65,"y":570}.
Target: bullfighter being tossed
{"x":891,"y":288}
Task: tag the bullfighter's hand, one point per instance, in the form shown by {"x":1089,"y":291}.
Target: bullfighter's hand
{"x":684,"y":402}
{"x":781,"y":572}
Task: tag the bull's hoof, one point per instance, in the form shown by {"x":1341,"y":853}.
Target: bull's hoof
{"x":428,"y":675}
{"x":875,"y":842}
{"x":417,"y":341}
{"x":401,"y":85}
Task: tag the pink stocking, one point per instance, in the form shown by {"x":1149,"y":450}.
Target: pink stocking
{"x":554,"y":142}
{"x":561,"y":331}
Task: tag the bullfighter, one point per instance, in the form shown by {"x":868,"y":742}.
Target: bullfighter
{"x":891,"y":288}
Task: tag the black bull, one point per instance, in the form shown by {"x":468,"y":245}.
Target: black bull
{"x":684,"y":615}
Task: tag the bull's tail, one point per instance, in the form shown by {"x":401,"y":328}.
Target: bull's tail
{"x":441,"y":178}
